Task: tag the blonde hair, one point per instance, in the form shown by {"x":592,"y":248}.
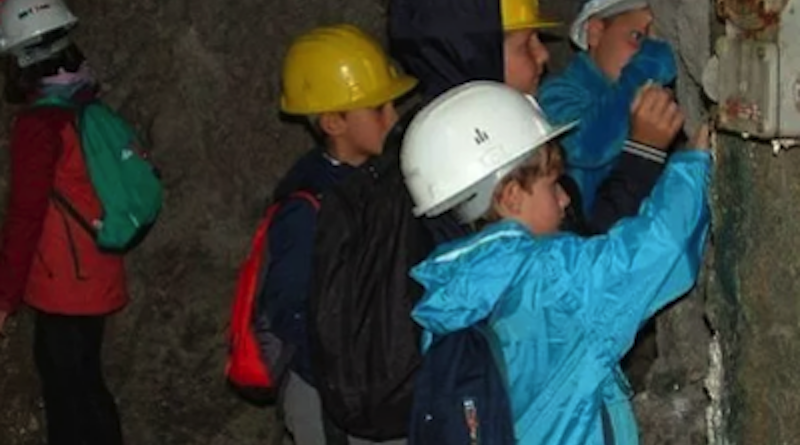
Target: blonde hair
{"x":545,"y":161}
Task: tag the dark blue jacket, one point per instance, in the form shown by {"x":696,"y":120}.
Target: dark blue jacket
{"x":282,"y":301}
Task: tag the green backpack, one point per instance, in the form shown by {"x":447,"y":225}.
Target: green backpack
{"x":126,"y":183}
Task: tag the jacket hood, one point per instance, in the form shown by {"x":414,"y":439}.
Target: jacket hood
{"x":455,"y":299}
{"x":445,"y":43}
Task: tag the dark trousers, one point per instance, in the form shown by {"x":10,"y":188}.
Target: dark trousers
{"x":78,"y":406}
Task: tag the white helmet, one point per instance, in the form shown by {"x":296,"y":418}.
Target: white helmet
{"x":23,"y":23}
{"x":602,"y":9}
{"x":458,"y":148}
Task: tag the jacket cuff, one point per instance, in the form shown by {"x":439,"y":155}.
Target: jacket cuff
{"x":645,"y":151}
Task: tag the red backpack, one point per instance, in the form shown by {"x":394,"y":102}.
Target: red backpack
{"x":255,"y":378}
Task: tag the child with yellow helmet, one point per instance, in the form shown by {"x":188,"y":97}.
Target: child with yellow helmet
{"x":341,"y":81}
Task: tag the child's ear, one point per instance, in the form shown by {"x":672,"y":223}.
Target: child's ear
{"x":333,"y":124}
{"x":594,"y":32}
{"x":509,"y":201}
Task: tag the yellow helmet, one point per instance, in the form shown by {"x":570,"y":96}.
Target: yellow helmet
{"x":523,"y":14}
{"x":339,"y":68}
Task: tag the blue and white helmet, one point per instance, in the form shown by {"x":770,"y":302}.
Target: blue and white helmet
{"x":602,"y":9}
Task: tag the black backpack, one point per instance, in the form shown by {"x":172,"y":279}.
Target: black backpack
{"x":460,"y":394}
{"x":365,"y":346}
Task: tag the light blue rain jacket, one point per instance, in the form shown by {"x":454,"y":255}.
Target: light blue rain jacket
{"x":583,"y":92}
{"x":567,"y":309}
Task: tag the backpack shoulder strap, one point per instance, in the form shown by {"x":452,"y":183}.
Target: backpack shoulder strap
{"x":275,"y":207}
{"x":58,"y":197}
{"x":311,"y":198}
{"x":54,"y":100}
{"x":83,"y":222}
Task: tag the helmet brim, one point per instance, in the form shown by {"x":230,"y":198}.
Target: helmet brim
{"x":543,"y":24}
{"x":395,"y":90}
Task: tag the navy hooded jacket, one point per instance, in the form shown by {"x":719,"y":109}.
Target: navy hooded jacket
{"x":445,"y":43}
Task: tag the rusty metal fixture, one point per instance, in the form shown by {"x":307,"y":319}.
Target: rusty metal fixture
{"x":752,"y":15}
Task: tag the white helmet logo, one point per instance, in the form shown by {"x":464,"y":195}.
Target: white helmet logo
{"x":481,"y":136}
{"x":32,"y":10}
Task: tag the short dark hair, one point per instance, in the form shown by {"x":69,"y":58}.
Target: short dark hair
{"x":546,"y":161}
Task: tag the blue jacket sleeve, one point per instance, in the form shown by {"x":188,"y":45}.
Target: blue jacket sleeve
{"x":646,"y":262}
{"x":287,"y":270}
{"x":603,"y":110}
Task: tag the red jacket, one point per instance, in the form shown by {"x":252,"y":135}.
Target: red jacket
{"x":46,"y":257}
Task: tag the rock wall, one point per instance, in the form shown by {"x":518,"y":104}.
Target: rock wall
{"x":753,"y":303}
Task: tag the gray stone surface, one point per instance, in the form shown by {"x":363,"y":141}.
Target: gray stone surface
{"x":755,"y":287}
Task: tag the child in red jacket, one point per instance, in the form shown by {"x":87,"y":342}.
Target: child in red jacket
{"x":47,"y":259}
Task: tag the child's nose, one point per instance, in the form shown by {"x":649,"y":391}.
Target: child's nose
{"x":539,"y":51}
{"x":543,"y":54}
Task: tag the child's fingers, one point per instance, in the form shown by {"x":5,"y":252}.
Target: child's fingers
{"x":656,"y":102}
{"x":676,"y":118}
{"x":637,"y":101}
{"x":644,"y":100}
{"x":664,"y":104}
